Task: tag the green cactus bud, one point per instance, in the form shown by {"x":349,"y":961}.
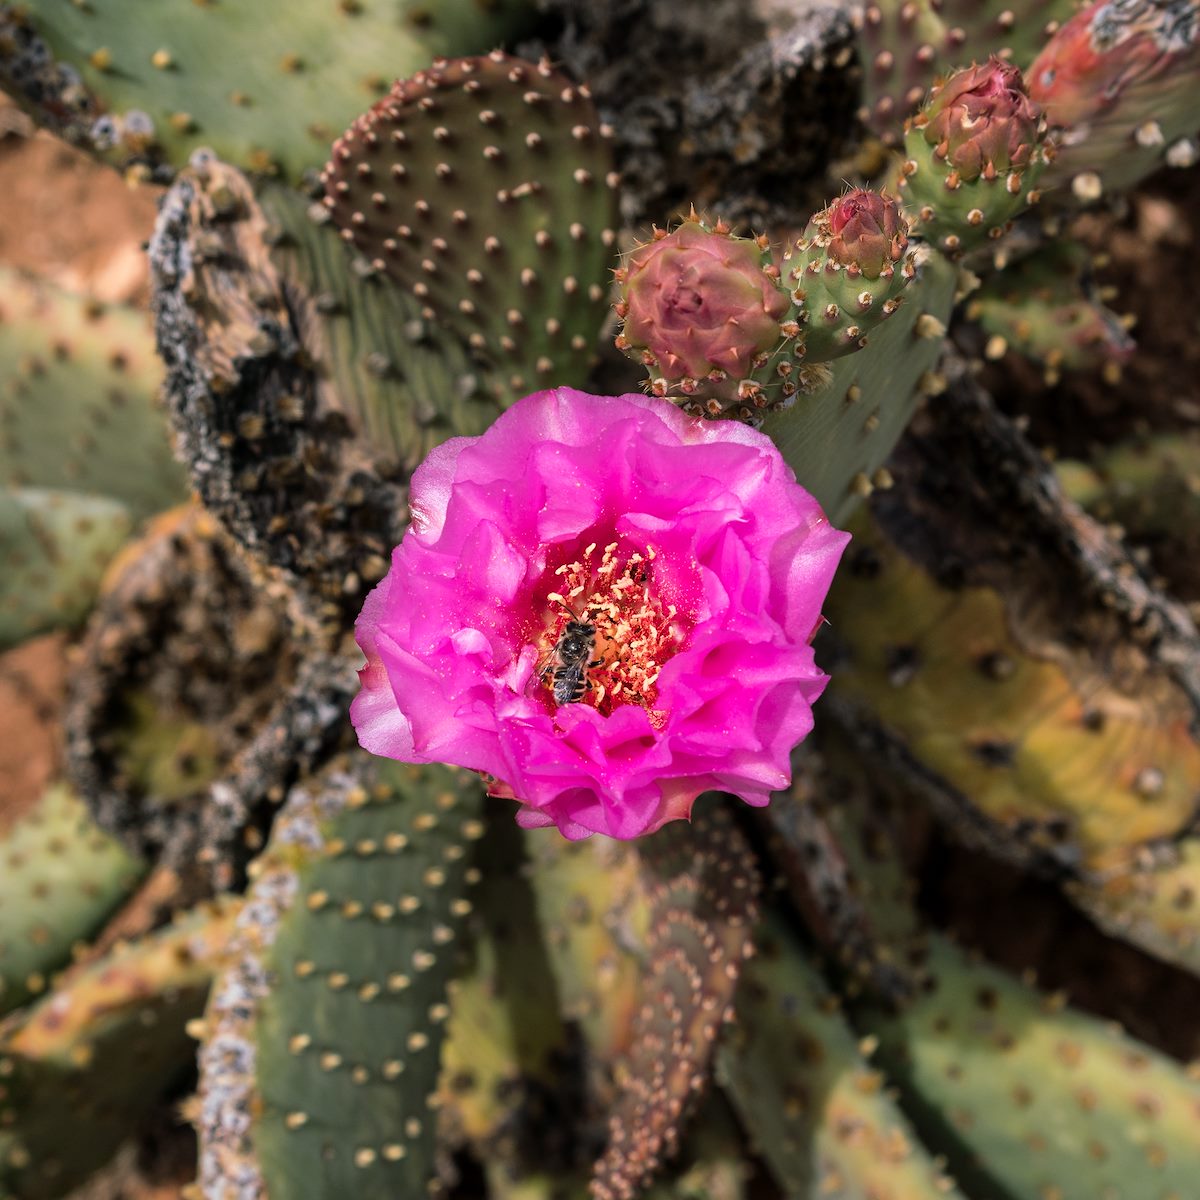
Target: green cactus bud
{"x":484,"y":186}
{"x":974,"y":153}
{"x":62,"y":877}
{"x":325,"y":1030}
{"x":848,"y":270}
{"x":705,"y":313}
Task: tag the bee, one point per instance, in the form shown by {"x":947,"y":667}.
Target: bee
{"x":570,"y":661}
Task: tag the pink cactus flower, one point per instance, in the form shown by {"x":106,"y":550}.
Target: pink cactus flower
{"x":605,"y":607}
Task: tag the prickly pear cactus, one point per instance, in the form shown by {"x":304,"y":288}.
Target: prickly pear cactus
{"x":414,"y":996}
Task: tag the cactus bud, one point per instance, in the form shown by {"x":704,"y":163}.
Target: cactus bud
{"x":982,"y":120}
{"x":847,"y":271}
{"x":702,"y":310}
{"x":866,"y":230}
{"x":973,"y":154}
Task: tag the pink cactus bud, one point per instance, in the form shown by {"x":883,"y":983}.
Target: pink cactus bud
{"x":867,"y":230}
{"x":982,"y":121}
{"x":699,"y":299}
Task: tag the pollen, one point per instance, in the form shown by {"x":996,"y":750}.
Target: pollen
{"x":614,"y":591}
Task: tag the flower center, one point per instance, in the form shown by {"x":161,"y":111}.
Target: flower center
{"x":608,"y":633}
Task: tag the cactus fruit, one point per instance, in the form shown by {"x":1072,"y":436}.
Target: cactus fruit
{"x":323,"y":1038}
{"x":809,"y":1099}
{"x":484,"y":186}
{"x":704,"y":312}
{"x":848,"y":271}
{"x":1028,"y":1097}
{"x":95,"y":1056}
{"x":1045,"y":308}
{"x":267,"y":90}
{"x":62,"y":876}
{"x":1121,"y":79}
{"x":972,"y":156}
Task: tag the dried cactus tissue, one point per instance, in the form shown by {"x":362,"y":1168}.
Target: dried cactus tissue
{"x":599,"y":600}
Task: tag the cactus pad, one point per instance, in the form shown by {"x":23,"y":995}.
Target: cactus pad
{"x":1076,"y":764}
{"x":1046,"y":308}
{"x":266,"y":88}
{"x":701,"y":899}
{"x":78,"y":408}
{"x":484,"y":186}
{"x":1121,"y":80}
{"x":1036,"y":1098}
{"x":61,"y":878}
{"x":55,"y":547}
{"x":838,"y":439}
{"x":324,"y":1033}
{"x":812,"y":1104}
{"x":80,"y":1069}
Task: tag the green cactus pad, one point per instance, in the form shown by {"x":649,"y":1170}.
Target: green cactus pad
{"x":266,"y":87}
{"x":502,"y":1077}
{"x":324,"y":1034}
{"x":60,"y":877}
{"x":1045,"y":308}
{"x":838,"y":439}
{"x":404,"y":382}
{"x":78,"y":412}
{"x":813,"y":1106}
{"x":906,"y":44}
{"x":55,"y":547}
{"x":1030,"y":1098}
{"x":700,"y":893}
{"x":1150,"y":487}
{"x":1074,"y":763}
{"x":484,"y":187}
{"x":80,"y":1069}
